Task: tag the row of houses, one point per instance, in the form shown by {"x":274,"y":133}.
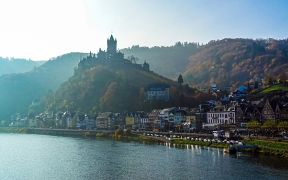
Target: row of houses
{"x":239,"y":113}
{"x":209,"y":115}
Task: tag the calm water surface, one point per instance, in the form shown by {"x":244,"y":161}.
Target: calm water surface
{"x":50,"y":157}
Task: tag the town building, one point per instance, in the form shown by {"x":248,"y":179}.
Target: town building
{"x":104,"y":121}
{"x":157,"y":92}
{"x":153,"y":120}
{"x":90,"y":122}
{"x":220,"y":115}
{"x":268,"y":112}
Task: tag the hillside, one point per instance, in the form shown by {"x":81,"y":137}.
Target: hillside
{"x":167,"y":61}
{"x":112,"y":87}
{"x":19,"y":90}
{"x":14,"y":65}
{"x":234,"y":61}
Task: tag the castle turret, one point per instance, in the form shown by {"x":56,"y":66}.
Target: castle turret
{"x":146,"y":66}
{"x":111,"y":46}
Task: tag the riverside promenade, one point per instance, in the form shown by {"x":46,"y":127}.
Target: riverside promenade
{"x":175,"y":134}
{"x":56,"y":132}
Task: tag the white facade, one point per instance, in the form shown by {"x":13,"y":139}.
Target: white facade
{"x":223,"y":117}
{"x":157,"y":94}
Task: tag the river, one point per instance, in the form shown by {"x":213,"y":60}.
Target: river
{"x":27,"y":156}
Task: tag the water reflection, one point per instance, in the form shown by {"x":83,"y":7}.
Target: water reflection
{"x":258,"y":159}
{"x":34,"y":156}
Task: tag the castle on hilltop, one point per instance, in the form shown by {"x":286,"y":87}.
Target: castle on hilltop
{"x":111,"y":55}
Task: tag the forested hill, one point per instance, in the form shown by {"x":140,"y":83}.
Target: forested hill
{"x":112,"y":87}
{"x":16,"y":65}
{"x":235,"y":61}
{"x":19,"y":90}
{"x":167,"y":61}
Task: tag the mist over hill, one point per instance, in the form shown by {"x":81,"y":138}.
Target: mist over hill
{"x":19,"y":90}
{"x":17,"y":65}
{"x":168,"y":61}
{"x":234,"y":61}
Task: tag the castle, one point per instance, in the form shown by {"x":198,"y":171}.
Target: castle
{"x":111,"y":55}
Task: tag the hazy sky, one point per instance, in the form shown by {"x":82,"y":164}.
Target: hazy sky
{"x":41,"y":29}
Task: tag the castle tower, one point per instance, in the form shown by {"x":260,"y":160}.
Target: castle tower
{"x":111,"y":46}
{"x":146,"y":66}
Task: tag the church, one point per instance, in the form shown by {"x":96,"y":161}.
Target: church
{"x":111,"y":55}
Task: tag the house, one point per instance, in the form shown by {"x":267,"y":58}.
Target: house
{"x":140,"y":119}
{"x":118,"y":120}
{"x":223,"y":117}
{"x":67,"y":118}
{"x":157,"y":92}
{"x":144,"y":121}
{"x":179,"y":116}
{"x":214,"y":87}
{"x":59,"y":122}
{"x":171,"y":117}
{"x":220,"y":115}
{"x":105,"y":121}
{"x":268,"y":112}
{"x":190,"y":120}
{"x":19,"y":120}
{"x":81,"y":123}
{"x":129,"y":120}
{"x":166,"y":118}
{"x":239,"y":115}
{"x":153,"y":120}
{"x":284,"y":112}
{"x":90,"y":122}
{"x":241,"y":92}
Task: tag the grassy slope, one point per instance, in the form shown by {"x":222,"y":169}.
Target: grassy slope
{"x":275,"y":88}
{"x":271,"y":147}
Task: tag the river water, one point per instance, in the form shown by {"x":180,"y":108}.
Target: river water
{"x":52,"y":157}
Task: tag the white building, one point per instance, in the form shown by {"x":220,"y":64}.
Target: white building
{"x":222,"y":117}
{"x":158,"y":92}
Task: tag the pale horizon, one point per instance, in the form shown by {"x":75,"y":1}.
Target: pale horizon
{"x":40,"y":30}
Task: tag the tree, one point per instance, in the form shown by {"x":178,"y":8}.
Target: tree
{"x":180,"y":79}
{"x":269,"y":127}
{"x":283,"y":125}
{"x":254,"y":124}
{"x":269,"y":124}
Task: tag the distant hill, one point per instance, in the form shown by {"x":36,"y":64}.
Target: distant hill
{"x":233,"y":61}
{"x":112,"y":87}
{"x":19,"y":90}
{"x":16,"y":65}
{"x":167,"y":61}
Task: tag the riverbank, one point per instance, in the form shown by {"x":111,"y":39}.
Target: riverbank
{"x":199,"y":143}
{"x":117,"y":135}
{"x":269,"y":147}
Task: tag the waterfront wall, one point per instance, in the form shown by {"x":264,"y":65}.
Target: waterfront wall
{"x":68,"y":132}
{"x":57,"y":132}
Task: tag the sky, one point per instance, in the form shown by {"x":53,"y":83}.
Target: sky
{"x":42,"y":29}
